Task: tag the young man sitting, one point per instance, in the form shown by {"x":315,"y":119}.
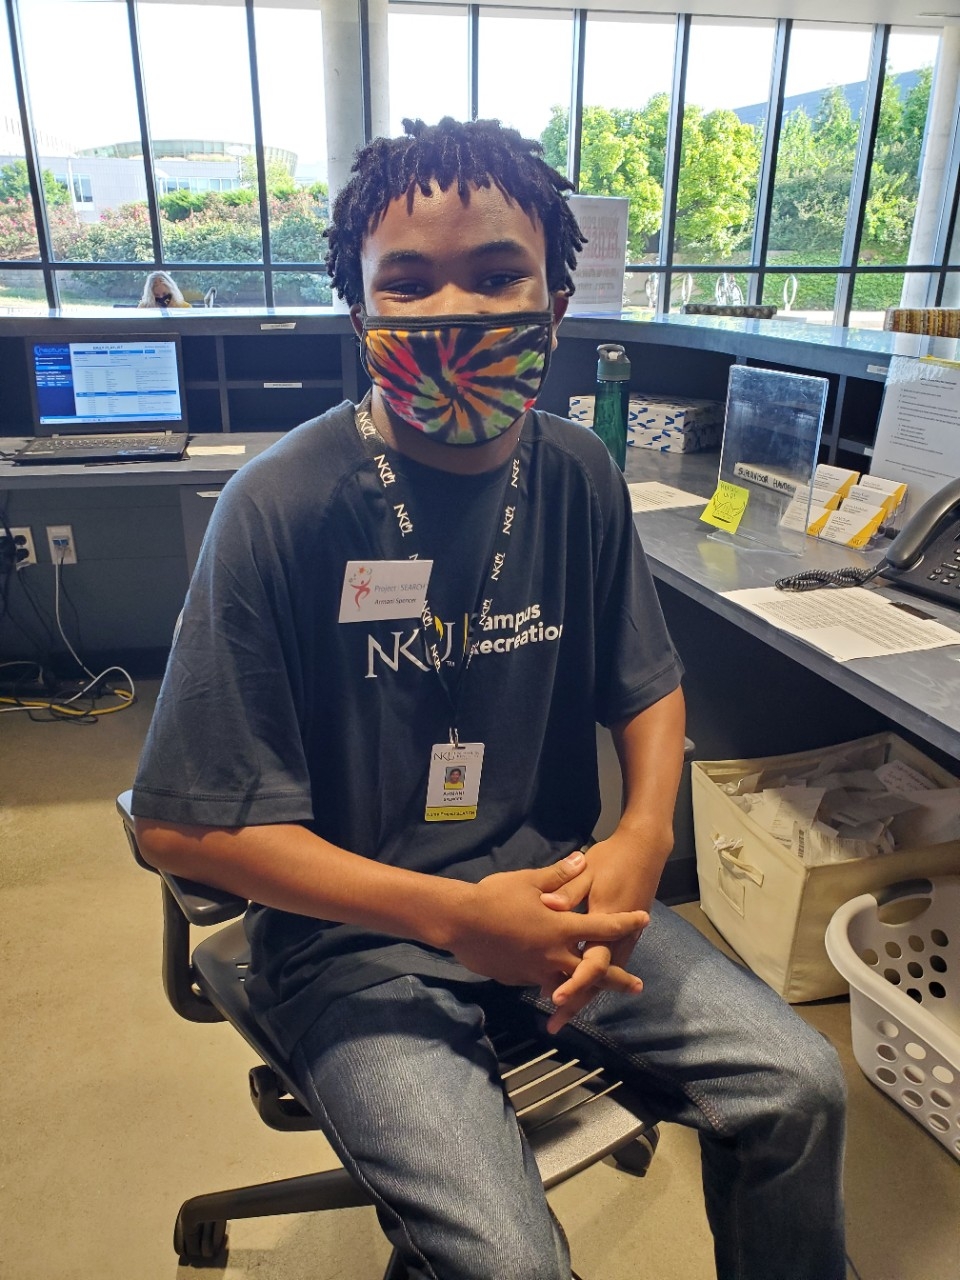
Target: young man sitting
{"x":443,"y":577}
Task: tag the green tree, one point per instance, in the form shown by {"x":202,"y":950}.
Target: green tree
{"x":814,"y":168}
{"x":15,"y":184}
{"x":716,"y":189}
{"x":895,"y":175}
{"x":280,"y":181}
{"x":18,"y":230}
{"x":614,"y":161}
{"x":622,"y":153}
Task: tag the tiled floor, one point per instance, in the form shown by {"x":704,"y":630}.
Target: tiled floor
{"x":114,"y":1110}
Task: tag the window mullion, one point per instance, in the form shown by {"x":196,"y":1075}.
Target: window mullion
{"x":671,"y":172}
{"x":575,"y":117}
{"x":146,"y":141}
{"x":473,"y":59}
{"x":260,"y":156}
{"x":34,"y":173}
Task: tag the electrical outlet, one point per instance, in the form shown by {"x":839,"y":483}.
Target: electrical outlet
{"x":63,"y":549}
{"x":24,"y":550}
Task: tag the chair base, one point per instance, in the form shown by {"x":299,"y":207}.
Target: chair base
{"x":200,"y":1236}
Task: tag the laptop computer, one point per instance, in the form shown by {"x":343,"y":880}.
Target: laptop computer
{"x":106,"y":399}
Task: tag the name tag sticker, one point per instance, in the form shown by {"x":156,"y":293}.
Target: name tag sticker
{"x":453,"y":784}
{"x":376,"y":589}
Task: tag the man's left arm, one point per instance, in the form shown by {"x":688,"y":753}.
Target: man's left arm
{"x":623,"y":871}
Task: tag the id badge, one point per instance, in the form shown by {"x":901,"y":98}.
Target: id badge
{"x":453,"y":785}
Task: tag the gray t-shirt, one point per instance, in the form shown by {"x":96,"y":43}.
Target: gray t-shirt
{"x":272,"y":711}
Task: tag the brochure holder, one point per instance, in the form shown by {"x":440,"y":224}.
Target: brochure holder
{"x":771,"y":437}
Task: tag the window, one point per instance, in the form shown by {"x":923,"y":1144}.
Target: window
{"x":212,"y":129}
{"x":724,"y":119}
{"x":18,"y":229}
{"x":627,"y":75}
{"x":69,"y":119}
{"x":204,"y":220}
{"x":434,"y":36}
{"x":521,"y":53}
{"x":293,"y":114}
{"x":823,"y":99}
{"x":888,"y":226}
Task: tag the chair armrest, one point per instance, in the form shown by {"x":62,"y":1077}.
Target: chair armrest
{"x":185,"y":903}
{"x":201,"y":904}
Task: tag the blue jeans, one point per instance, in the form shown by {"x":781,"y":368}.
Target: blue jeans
{"x":405,"y":1086}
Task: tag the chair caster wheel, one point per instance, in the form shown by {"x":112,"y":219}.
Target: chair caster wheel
{"x":635,"y":1157}
{"x":203,"y":1244}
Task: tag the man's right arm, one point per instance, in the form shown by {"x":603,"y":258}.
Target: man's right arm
{"x":498,"y":928}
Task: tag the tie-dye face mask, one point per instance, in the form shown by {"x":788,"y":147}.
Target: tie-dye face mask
{"x":459,"y":379}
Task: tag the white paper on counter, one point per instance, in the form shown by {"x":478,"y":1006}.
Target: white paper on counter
{"x":847,"y":623}
{"x":651,"y":495}
{"x":202,"y":450}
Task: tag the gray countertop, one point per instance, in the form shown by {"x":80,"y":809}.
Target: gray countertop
{"x":212,"y":469}
{"x":919,"y":691}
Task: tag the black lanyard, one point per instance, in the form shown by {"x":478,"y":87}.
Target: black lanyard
{"x":398,"y":500}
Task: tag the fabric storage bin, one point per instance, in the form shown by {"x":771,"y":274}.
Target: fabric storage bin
{"x":900,"y":951}
{"x":771,"y":908}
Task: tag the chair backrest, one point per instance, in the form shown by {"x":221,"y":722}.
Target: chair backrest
{"x":936,"y":322}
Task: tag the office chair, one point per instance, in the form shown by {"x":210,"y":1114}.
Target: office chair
{"x":572,"y":1116}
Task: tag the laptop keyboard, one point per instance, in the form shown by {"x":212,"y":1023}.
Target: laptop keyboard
{"x":139,"y":440}
{"x":149,"y":446}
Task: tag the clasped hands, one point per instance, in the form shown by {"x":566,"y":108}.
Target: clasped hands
{"x":521,"y":929}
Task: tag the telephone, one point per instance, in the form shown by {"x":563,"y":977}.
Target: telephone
{"x":925,"y":555}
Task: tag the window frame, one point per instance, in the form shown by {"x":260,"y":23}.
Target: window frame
{"x":847,"y":270}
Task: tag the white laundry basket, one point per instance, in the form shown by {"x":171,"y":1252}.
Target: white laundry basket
{"x":900,"y":951}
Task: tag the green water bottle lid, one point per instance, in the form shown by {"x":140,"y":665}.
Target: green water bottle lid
{"x":612,"y":363}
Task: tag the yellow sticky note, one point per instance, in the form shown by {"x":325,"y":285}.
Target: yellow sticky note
{"x":725,"y":509}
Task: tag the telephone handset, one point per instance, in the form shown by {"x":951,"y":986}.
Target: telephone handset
{"x":925,"y":555}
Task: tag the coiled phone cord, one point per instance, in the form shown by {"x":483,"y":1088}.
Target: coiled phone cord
{"x":812,"y":579}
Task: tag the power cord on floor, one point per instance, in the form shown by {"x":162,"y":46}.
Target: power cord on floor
{"x":64,"y":709}
{"x":69,"y":708}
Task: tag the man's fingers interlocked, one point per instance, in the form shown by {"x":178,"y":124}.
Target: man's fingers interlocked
{"x":594,"y":973}
{"x":567,"y":875}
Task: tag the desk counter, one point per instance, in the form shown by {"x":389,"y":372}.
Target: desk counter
{"x":919,"y":692}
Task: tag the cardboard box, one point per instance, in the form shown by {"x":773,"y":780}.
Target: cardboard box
{"x":770,"y":907}
{"x":663,"y":423}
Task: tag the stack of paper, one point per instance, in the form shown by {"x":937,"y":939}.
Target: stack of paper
{"x":849,"y":805}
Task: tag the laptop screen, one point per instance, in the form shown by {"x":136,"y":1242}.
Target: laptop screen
{"x":107,"y":384}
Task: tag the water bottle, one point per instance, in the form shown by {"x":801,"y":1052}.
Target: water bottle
{"x":612,"y":403}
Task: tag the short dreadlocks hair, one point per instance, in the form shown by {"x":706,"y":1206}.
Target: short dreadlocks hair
{"x":478,"y":152}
